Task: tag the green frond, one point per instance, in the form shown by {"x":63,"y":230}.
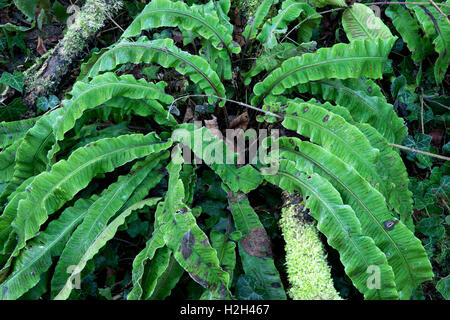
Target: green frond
{"x":360,"y":22}
{"x":365,"y":101}
{"x":409,"y":30}
{"x":106,"y":235}
{"x":14,"y":130}
{"x":341,"y":226}
{"x":197,"y":19}
{"x":404,"y":252}
{"x":359,"y":58}
{"x":255,"y":247}
{"x":163,"y":52}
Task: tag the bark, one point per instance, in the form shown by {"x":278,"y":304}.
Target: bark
{"x":44,"y":78}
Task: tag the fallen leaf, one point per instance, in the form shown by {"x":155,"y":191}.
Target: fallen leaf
{"x":240,"y":122}
{"x":41,"y":50}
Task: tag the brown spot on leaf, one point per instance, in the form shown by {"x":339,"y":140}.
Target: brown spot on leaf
{"x":257,"y":243}
{"x":389,"y":224}
{"x":325,"y":119}
{"x":276,"y":285}
{"x":187,"y":244}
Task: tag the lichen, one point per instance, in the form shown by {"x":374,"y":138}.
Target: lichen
{"x":55,"y":66}
{"x":307,"y":268}
{"x":90,"y":19}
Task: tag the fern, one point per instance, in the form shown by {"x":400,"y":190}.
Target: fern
{"x":360,"y":22}
{"x":436,"y":27}
{"x":74,"y":177}
{"x":410,"y":32}
{"x":342,"y":61}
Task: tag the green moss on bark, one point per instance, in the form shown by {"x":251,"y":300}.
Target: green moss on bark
{"x":50,"y":71}
{"x":307,"y":268}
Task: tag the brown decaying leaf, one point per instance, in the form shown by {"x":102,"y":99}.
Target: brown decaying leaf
{"x":41,"y":49}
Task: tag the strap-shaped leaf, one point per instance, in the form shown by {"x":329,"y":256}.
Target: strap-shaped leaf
{"x":360,"y":22}
{"x":155,"y":279}
{"x":9,"y":214}
{"x":106,"y":235}
{"x":217,"y":59}
{"x":342,"y":61}
{"x":255,"y":247}
{"x":156,"y":242}
{"x":31,"y":156}
{"x":31,"y":263}
{"x":272,"y":59}
{"x":50,"y":190}
{"x":390,"y":166}
{"x":168,"y":280}
{"x":226,"y":250}
{"x":189,"y":244}
{"x":408,"y":28}
{"x":437,"y":27}
{"x":213,"y":151}
{"x":365,"y":101}
{"x":112,"y":201}
{"x":338,"y":136}
{"x":12,"y":131}
{"x":102,"y":88}
{"x":290,"y":10}
{"x":358,"y":253}
{"x":165,"y":13}
{"x":252,"y":27}
{"x":323,"y":3}
{"x":8,"y":161}
{"x":163,"y":52}
{"x":404,"y":252}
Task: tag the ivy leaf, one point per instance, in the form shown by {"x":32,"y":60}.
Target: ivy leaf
{"x":12,"y":111}
{"x":43,"y":103}
{"x":60,"y":12}
{"x":446,"y":147}
{"x":419,"y":142}
{"x":13,"y":80}
{"x":432,"y":227}
{"x":28,"y":7}
{"x":443,"y":286}
{"x":248,"y":289}
{"x":151,"y":72}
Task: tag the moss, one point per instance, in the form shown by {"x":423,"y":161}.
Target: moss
{"x":89,"y":21}
{"x":248,"y":7}
{"x":307,"y":268}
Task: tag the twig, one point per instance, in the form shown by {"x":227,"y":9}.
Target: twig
{"x":400,"y":2}
{"x":430,"y":99}
{"x":439,"y":10}
{"x":421,"y":112}
{"x":225,"y":99}
{"x":419,"y":151}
